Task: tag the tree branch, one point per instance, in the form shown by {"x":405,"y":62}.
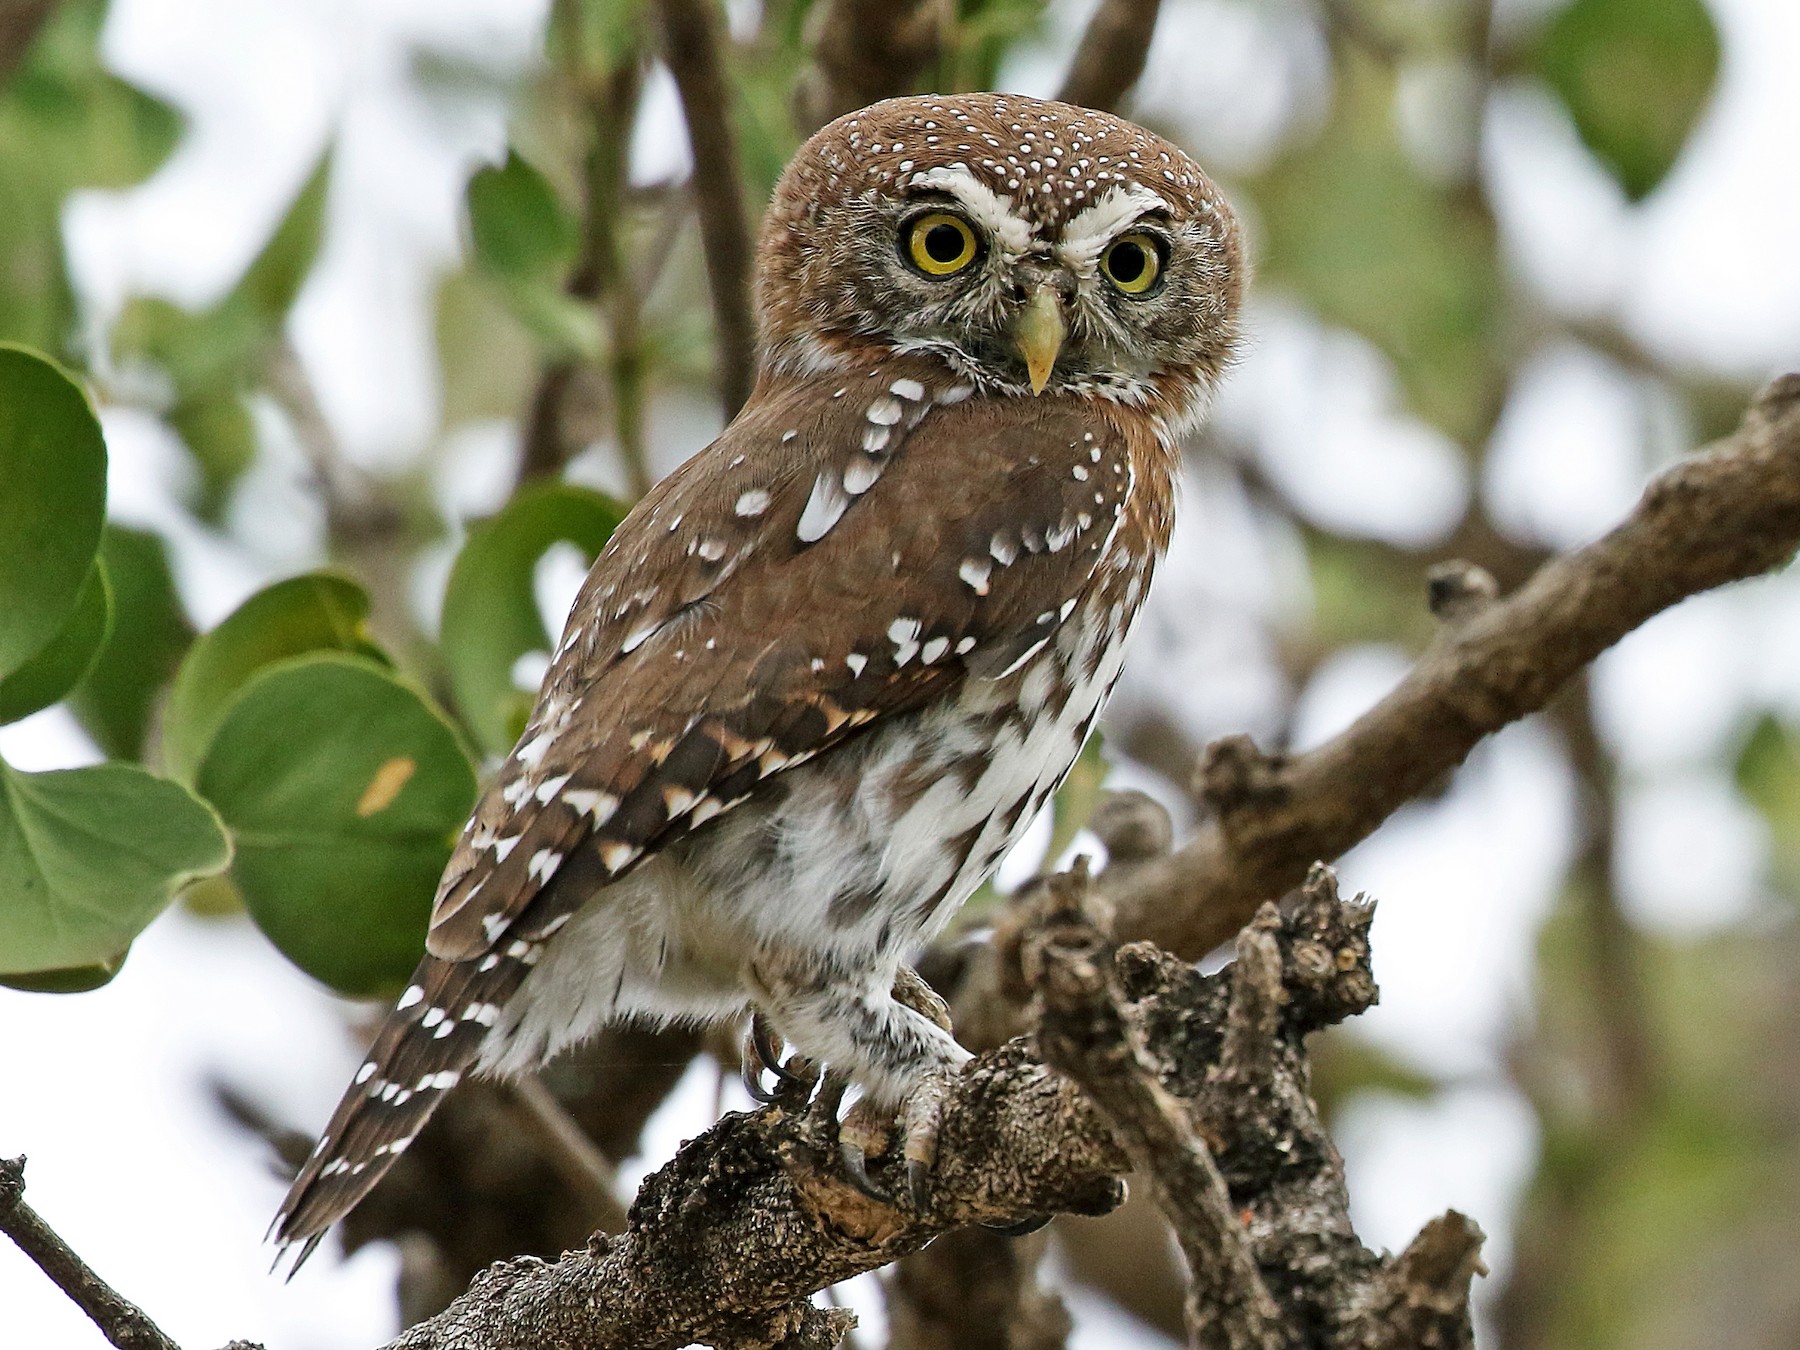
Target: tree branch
{"x":1721,"y":515}
{"x":1112,"y":53}
{"x":692,"y":47}
{"x":866,"y":50}
{"x":756,"y":1214}
{"x":20,"y":23}
{"x":120,"y":1320}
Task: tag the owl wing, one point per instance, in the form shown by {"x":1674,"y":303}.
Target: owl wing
{"x":839,"y":556}
{"x":833,"y":560}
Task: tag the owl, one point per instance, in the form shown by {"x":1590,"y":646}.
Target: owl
{"x":824,"y":675}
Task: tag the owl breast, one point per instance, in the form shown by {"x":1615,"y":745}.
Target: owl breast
{"x":848,"y":862}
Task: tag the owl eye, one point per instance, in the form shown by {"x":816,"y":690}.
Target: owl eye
{"x":940,"y":244}
{"x":1132,"y":263}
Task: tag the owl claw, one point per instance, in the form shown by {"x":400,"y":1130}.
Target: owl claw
{"x":856,"y":1171}
{"x":920,"y":1119}
{"x":762,"y":1054}
{"x":1023,"y":1228}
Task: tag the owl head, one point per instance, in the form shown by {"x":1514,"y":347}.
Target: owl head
{"x":1034,"y":246}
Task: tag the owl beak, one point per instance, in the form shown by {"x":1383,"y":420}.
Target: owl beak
{"x":1039,"y":330}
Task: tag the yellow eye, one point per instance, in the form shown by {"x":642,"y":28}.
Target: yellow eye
{"x":940,"y":244}
{"x":1132,"y":263}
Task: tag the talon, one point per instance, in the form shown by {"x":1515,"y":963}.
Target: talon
{"x":1022,"y":1228}
{"x":919,"y":1121}
{"x":760,"y":1056}
{"x":762,"y":1040}
{"x":751,"y":1074}
{"x":856,"y":1168}
{"x":918,"y":1184}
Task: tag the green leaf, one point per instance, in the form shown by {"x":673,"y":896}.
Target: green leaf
{"x":53,"y":466}
{"x":149,"y":634}
{"x":318,"y":611}
{"x":1635,"y":75}
{"x":65,"y":122}
{"x":272,"y":282}
{"x":87,"y":858}
{"x":517,"y":224}
{"x":216,"y":356}
{"x":490,"y":609}
{"x":63,"y":662}
{"x":524,"y":242}
{"x":1357,"y":233}
{"x":1768,"y":775}
{"x":344,"y":790}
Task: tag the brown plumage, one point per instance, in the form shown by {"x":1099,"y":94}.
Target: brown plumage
{"x":825,"y":673}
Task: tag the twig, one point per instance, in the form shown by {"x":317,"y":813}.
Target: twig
{"x":1112,"y":53}
{"x":20,"y":23}
{"x":121,"y":1321}
{"x":692,"y":47}
{"x":608,"y":101}
{"x":865,"y":50}
{"x":1722,"y":515}
{"x":584,"y":1167}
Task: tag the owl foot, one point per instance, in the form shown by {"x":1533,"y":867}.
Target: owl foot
{"x":868,"y":1132}
{"x":761,"y":1053}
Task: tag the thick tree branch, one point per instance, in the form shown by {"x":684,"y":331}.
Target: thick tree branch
{"x":692,"y":45}
{"x":1723,"y":514}
{"x":755,"y":1215}
{"x":1112,"y":53}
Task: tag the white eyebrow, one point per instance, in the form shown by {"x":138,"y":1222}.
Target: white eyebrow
{"x":1094,"y":227}
{"x":987,"y":208}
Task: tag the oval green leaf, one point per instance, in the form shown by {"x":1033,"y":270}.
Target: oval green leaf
{"x":65,"y":660}
{"x":490,"y":609}
{"x":53,"y":463}
{"x":318,"y":611}
{"x":149,"y":634}
{"x":1635,"y":75}
{"x":343,"y":789}
{"x":87,"y":858}
{"x":517,"y":224}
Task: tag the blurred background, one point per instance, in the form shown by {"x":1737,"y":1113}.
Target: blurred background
{"x":341,"y":275}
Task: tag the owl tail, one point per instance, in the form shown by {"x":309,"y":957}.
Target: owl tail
{"x":422,"y":1050}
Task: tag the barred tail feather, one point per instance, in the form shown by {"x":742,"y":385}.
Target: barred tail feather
{"x":423,"y":1048}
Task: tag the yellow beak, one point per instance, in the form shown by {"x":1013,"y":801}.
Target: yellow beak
{"x":1039,"y":330}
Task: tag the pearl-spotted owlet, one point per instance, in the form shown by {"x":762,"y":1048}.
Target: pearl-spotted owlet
{"x":824,"y":675}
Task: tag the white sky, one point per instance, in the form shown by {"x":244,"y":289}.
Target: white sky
{"x":103,"y":1090}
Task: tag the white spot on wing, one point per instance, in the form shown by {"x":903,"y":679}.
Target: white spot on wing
{"x":860,"y":476}
{"x":824,"y":508}
{"x":752,"y":503}
{"x":975,"y":572}
{"x":904,"y":634}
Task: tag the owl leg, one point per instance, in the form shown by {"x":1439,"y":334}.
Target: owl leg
{"x":890,"y":1037}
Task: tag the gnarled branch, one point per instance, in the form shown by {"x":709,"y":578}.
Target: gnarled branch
{"x":1726,"y":513}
